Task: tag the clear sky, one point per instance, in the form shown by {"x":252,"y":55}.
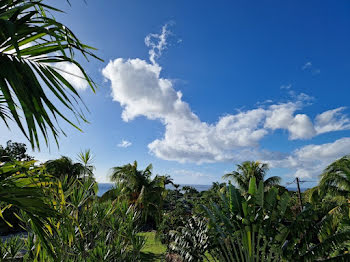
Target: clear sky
{"x":195,"y":87}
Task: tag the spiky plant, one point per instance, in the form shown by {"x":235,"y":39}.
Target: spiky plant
{"x":191,"y":241}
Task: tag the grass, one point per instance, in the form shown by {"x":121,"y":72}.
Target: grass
{"x":153,"y":250}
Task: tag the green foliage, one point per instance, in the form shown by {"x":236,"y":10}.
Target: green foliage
{"x":86,"y":159}
{"x":190,"y":192}
{"x":64,"y":218}
{"x":257,"y":226}
{"x":180,"y":205}
{"x":110,"y":233}
{"x":28,"y":188}
{"x":175,"y":210}
{"x":89,"y":230}
{"x":14,"y":151}
{"x":31,"y":44}
{"x":131,"y":178}
{"x":57,"y":205}
{"x":315,"y":234}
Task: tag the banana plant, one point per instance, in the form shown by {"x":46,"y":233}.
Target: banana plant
{"x":257,"y":227}
{"x":248,"y":228}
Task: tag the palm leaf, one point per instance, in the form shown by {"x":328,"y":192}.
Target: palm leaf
{"x":31,"y":44}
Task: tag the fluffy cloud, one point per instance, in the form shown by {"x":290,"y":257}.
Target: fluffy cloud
{"x":331,"y":120}
{"x":73,"y":75}
{"x":310,"y":160}
{"x":301,"y":127}
{"x":138,"y":86}
{"x":124,"y":144}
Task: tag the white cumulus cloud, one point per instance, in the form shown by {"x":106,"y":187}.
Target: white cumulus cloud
{"x":332,"y":120}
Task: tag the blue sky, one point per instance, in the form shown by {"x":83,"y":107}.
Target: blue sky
{"x":259,"y":80}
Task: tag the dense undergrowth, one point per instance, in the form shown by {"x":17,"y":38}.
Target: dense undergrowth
{"x":140,"y":219}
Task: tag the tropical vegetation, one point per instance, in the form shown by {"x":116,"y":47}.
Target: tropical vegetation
{"x":56,"y":208}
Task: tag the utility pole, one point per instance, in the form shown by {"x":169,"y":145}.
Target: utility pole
{"x":299,"y":195}
{"x":298,"y":182}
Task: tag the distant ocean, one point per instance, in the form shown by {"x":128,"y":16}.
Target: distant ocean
{"x":104,"y":187}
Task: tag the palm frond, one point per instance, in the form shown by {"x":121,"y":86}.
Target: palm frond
{"x":272,"y":181}
{"x":31,"y":44}
{"x":323,"y":249}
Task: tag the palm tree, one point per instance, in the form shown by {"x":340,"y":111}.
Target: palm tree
{"x":336,"y":178}
{"x":131,"y":179}
{"x":86,"y":159}
{"x":140,"y":189}
{"x":32,"y":46}
{"x":248,"y":170}
{"x":65,"y":167}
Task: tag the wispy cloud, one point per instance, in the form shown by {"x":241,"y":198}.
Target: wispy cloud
{"x":308,"y":66}
{"x":157,"y":43}
{"x":289,"y":86}
{"x":124,"y":144}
